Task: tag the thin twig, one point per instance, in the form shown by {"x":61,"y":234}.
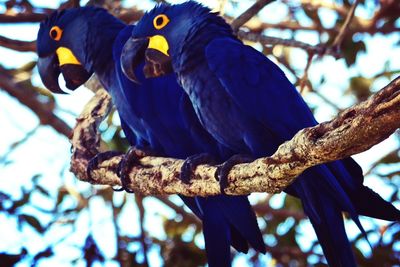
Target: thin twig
{"x":248,"y":14}
{"x":339,"y":38}
{"x":269,"y":40}
{"x":393,"y":153}
{"x":304,"y":79}
{"x":327,"y":100}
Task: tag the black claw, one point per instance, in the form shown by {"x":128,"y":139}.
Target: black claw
{"x":97,"y":160}
{"x":118,"y":189}
{"x":190,"y":164}
{"x":223,"y":170}
{"x":130,"y":159}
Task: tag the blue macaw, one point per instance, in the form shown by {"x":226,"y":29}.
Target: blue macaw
{"x":155,"y":115}
{"x":247,"y":104}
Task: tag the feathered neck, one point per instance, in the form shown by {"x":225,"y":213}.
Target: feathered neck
{"x":205,"y":27}
{"x":103,"y":30}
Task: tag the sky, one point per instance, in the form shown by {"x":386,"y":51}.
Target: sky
{"x":48,"y":153}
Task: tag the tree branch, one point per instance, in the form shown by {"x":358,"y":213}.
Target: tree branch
{"x":249,"y":13}
{"x":339,"y":38}
{"x":353,"y":131}
{"x":269,"y":40}
{"x":21,"y":46}
{"x":22,"y":17}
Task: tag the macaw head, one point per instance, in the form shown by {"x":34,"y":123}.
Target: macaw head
{"x":163,"y":33}
{"x":71,"y":42}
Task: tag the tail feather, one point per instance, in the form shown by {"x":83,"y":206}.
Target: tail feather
{"x":331,"y":234}
{"x":238,"y":211}
{"x":328,"y":225}
{"x":369,"y":203}
{"x":227,"y":220}
{"x":365,"y":200}
{"x":324,"y":182}
{"x":216,"y":234}
{"x":238,"y":241}
{"x":323,"y":199}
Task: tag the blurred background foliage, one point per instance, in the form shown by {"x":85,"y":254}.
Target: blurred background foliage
{"x":49,"y":218}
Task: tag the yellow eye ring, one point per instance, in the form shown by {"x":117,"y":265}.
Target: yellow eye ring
{"x":55,"y":33}
{"x":160,"y":21}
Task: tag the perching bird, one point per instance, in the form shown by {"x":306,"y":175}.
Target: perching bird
{"x":155,"y":115}
{"x":246,"y":102}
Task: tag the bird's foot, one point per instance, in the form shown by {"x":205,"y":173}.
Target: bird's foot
{"x":129,"y":160}
{"x":95,"y":162}
{"x":191,"y":163}
{"x":223,"y":170}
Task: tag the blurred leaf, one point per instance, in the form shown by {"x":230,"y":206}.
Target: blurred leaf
{"x":392,"y":157}
{"x":313,"y":15}
{"x":62,"y":193}
{"x":8,"y":260}
{"x":91,"y":251}
{"x":175,"y":229}
{"x":292,"y":203}
{"x":4,"y":196}
{"x":19,"y":203}
{"x":27,"y":67}
{"x":351,"y":49}
{"x":182,"y":254}
{"x":47,"y":253}
{"x":36,"y":177}
{"x":360,"y":87}
{"x":32,"y":221}
{"x":106,"y":193}
{"x":42,"y":190}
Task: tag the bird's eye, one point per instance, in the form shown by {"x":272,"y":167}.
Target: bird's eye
{"x":160,"y":21}
{"x":55,"y":33}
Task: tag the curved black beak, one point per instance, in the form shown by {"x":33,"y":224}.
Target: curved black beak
{"x":49,"y":71}
{"x":132,"y":55}
{"x":137,"y":50}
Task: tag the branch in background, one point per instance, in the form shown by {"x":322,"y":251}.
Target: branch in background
{"x":354,"y":130}
{"x":315,"y":5}
{"x":303,"y":82}
{"x":20,"y":46}
{"x":22,"y":17}
{"x":249,"y":13}
{"x":29,"y":98}
{"x":130,"y":15}
{"x":268,"y":40}
{"x":339,"y":38}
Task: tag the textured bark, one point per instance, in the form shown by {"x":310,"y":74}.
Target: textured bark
{"x":354,"y":130}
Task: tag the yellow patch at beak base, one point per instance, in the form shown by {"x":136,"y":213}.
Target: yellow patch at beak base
{"x":65,"y":56}
{"x":159,"y":43}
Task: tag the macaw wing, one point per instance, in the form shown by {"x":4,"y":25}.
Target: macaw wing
{"x":259,"y":87}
